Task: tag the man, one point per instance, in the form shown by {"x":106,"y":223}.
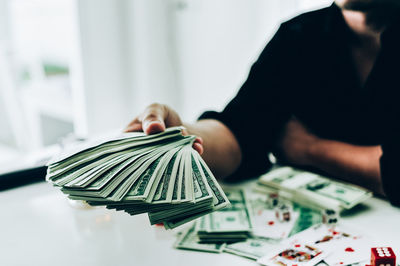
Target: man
{"x":322,"y":95}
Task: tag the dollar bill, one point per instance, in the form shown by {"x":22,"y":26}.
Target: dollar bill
{"x":159,"y":174}
{"x":311,"y":187}
{"x":98,"y":147}
{"x":307,"y":218}
{"x":190,"y":241}
{"x":230,"y":224}
{"x":207,"y":184}
{"x":252,"y":248}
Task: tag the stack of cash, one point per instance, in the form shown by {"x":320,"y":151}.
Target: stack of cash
{"x":229,"y":225}
{"x":212,"y":232}
{"x":253,"y":248}
{"x":311,"y":189}
{"x":189,"y":240}
{"x":157,"y":174}
{"x":231,"y":231}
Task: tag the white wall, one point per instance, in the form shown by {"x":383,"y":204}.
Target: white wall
{"x":217,"y":43}
{"x":100,"y":89}
{"x":194,"y":55}
{"x":191,"y":54}
{"x":153,"y":53}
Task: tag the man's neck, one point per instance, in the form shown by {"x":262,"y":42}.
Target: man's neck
{"x":365,"y":31}
{"x":365,"y":45}
{"x":367,"y":26}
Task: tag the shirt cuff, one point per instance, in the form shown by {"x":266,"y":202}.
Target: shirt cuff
{"x":253,"y":163}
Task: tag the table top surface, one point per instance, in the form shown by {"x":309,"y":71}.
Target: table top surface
{"x":40,"y":226}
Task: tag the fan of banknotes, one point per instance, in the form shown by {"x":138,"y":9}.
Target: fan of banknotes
{"x":159,"y":174}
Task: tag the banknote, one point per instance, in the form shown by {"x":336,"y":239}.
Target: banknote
{"x":307,"y":218}
{"x":190,"y":241}
{"x":252,"y":248}
{"x":230,"y":224}
{"x":159,"y":174}
{"x":310,"y":187}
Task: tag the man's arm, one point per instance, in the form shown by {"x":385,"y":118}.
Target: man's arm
{"x":356,"y":164}
{"x":352,"y":163}
{"x":216,"y":143}
{"x":221,"y":149}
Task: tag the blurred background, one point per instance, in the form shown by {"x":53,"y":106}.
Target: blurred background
{"x":84,"y":67}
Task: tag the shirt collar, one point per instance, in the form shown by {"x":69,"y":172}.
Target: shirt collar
{"x":335,"y":25}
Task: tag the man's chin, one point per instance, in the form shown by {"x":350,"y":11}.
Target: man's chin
{"x":369,"y":6}
{"x":359,"y":6}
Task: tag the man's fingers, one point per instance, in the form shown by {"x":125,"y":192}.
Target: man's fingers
{"x":152,"y":127}
{"x":198,"y":140}
{"x":134,"y":127}
{"x":198,"y":147}
{"x":153,"y":119}
{"x":185,"y":132}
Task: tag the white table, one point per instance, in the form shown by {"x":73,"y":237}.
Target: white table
{"x":39,"y":226}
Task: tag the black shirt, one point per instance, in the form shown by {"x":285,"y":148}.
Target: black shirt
{"x":307,"y":71}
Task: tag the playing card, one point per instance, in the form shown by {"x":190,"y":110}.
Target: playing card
{"x":323,"y":236}
{"x":296,"y":253}
{"x":353,"y":250}
{"x":267,"y":225}
{"x":315,"y":244}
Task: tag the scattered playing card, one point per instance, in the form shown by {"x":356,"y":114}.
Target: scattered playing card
{"x":353,"y":250}
{"x":267,"y":225}
{"x":294,"y":254}
{"x":317,"y":243}
{"x":323,"y":236}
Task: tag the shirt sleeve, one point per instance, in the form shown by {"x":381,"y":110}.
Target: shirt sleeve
{"x":390,"y":171}
{"x":258,"y":112}
{"x":389,"y":86}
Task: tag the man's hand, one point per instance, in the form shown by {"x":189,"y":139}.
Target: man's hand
{"x":220,"y":148}
{"x":295,"y":143}
{"x":156,"y":118}
{"x":353,"y":163}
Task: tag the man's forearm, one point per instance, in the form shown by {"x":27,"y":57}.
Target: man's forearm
{"x":356,"y":164}
{"x":219,"y":146}
{"x":221,"y":149}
